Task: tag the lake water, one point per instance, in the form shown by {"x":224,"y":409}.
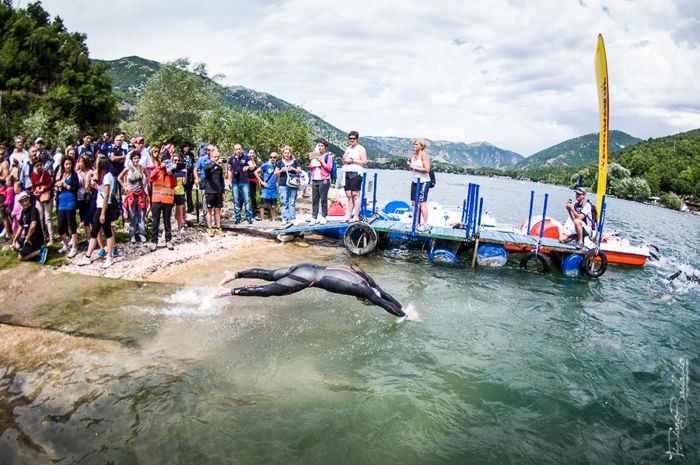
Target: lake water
{"x":506,"y":367}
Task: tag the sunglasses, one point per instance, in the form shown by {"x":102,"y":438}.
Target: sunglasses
{"x":352,"y":138}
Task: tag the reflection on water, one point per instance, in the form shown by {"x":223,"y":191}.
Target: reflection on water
{"x":506,"y":367}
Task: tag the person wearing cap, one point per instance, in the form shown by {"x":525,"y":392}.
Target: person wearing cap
{"x":582,"y":215}
{"x":29,"y":238}
{"x":44,"y":156}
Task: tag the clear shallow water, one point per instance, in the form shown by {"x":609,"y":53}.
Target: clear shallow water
{"x":506,"y":367}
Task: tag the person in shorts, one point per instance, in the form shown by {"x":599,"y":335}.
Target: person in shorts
{"x":354,"y":161}
{"x":214,"y":192}
{"x":268,"y":187}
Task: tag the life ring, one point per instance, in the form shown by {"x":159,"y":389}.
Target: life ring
{"x":595,"y":262}
{"x":360,"y":238}
{"x":536,"y":261}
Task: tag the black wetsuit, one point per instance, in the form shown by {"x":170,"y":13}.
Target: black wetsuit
{"x":339,"y":279}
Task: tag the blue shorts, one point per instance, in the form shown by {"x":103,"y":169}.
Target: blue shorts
{"x":422,"y":195}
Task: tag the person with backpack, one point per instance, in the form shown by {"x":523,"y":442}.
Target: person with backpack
{"x":419,"y":163}
{"x":320,"y":167}
{"x":268,"y":187}
{"x":583,"y":217}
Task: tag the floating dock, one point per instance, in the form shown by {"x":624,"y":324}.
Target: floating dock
{"x":490,"y":245}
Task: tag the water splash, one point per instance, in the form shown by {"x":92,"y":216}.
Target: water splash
{"x":678,"y":406}
{"x":680,"y":277}
{"x":190,"y":301}
{"x":412,"y":314}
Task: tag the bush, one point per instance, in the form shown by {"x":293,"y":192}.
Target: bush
{"x":671,"y":200}
{"x":631,"y":188}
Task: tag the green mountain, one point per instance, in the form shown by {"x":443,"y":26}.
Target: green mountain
{"x":576,"y":152}
{"x":129,"y":76}
{"x":668,"y":164}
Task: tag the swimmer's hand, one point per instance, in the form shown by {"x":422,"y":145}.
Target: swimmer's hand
{"x":228,"y":277}
{"x":222,"y":291}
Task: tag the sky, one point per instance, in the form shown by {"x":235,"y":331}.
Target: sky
{"x":518,"y":74}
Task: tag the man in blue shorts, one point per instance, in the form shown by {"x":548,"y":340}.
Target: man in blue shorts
{"x":268,"y":182}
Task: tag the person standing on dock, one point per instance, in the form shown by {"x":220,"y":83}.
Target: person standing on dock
{"x":582,"y":214}
{"x":321,"y":165}
{"x":237,"y":178}
{"x":419,"y":163}
{"x":354,"y":161}
{"x":287,"y":171}
{"x":268,"y":187}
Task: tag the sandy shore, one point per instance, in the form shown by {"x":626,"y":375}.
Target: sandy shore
{"x":191,"y":249}
{"x":137,"y":262}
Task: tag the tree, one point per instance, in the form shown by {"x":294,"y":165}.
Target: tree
{"x":45,"y":67}
{"x":632,"y":188}
{"x":174,"y":101}
{"x":60,"y":133}
{"x":266,"y":131}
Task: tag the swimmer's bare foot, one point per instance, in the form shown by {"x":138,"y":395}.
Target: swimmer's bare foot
{"x":228,"y":277}
{"x":222,"y":291}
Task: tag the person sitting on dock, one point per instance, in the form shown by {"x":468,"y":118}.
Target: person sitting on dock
{"x":338,"y":279}
{"x":582,"y":214}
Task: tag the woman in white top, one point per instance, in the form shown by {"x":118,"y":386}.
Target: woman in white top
{"x":102,"y":219}
{"x":419,"y":163}
{"x":354,"y":161}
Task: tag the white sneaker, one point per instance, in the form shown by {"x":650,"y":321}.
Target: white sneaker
{"x":63,"y":249}
{"x":107,"y":263}
{"x":323,"y":220}
{"x":312,"y":222}
{"x":72,"y":253}
{"x":132,"y":240}
{"x":142,"y":238}
{"x":85,"y":260}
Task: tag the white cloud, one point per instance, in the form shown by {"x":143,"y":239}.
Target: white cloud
{"x":517,"y":74}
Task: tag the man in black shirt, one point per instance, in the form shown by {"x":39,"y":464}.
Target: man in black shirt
{"x":29,"y":239}
{"x":188,"y":158}
{"x":214,"y":192}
